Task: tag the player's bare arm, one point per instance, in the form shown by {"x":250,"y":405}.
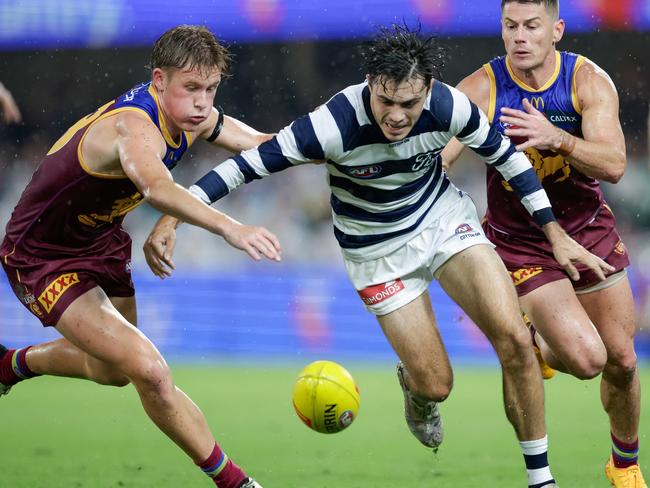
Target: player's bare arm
{"x":601,"y":153}
{"x":140,"y":149}
{"x":231,"y":134}
{"x":477,"y":88}
{"x":8,"y":107}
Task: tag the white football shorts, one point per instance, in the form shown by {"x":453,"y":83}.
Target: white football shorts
{"x":392,"y":281}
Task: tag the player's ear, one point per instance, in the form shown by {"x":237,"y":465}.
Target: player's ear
{"x":558,"y":31}
{"x":370,"y":80}
{"x":158,"y":78}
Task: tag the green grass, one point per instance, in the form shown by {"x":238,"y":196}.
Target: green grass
{"x":69,"y":433}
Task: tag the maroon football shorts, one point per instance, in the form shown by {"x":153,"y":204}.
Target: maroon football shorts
{"x":47,"y":286}
{"x":531,"y":263}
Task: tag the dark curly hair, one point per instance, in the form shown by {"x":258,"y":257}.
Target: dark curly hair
{"x":399,"y":53}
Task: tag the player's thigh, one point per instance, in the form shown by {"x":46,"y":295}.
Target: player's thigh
{"x":95,"y":326}
{"x":560,"y":318}
{"x":413,"y":333}
{"x":613,"y":313}
{"x":477,"y":280}
{"x":127,"y":307}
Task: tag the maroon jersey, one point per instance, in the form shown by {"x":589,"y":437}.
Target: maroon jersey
{"x":65,"y":235}
{"x":575,"y":197}
{"x":67,"y":209}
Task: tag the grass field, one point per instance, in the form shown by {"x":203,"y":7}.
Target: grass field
{"x":69,"y":433}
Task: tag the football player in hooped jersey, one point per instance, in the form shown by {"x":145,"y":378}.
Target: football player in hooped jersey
{"x":562,"y":111}
{"x":400,"y":223}
{"x":67,"y":256}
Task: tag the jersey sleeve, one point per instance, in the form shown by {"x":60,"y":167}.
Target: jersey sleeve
{"x":471,"y":127}
{"x":308,"y":138}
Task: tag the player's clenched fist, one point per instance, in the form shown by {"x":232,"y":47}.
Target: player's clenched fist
{"x":159,"y":249}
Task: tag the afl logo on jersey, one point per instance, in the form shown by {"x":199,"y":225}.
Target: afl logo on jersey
{"x":364,"y":171}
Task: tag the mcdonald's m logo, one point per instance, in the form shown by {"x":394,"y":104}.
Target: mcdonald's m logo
{"x":538,"y":102}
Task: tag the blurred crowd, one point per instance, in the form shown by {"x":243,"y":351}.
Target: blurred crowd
{"x":271,"y":85}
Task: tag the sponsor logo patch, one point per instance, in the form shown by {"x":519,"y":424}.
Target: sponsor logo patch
{"x":28,"y":298}
{"x":56,"y":289}
{"x":463,"y":232}
{"x":538,"y":103}
{"x":620,"y":248}
{"x":364,"y":171}
{"x":523,"y":274}
{"x":346,"y":418}
{"x":375,"y":294}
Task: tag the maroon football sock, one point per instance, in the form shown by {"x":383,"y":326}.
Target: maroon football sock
{"x":13,"y":366}
{"x":222,"y":470}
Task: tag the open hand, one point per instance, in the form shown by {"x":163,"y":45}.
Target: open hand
{"x":255,"y":241}
{"x":532,"y":126}
{"x":568,"y":252}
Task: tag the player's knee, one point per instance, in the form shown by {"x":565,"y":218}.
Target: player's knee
{"x":435,"y":387}
{"x":588,"y":362}
{"x":513,"y":347}
{"x":586,"y":369}
{"x":153,"y":375}
{"x":622,"y":365}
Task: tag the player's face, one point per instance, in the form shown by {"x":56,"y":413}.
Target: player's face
{"x":186,"y":96}
{"x":529,"y":33}
{"x":396,"y":107}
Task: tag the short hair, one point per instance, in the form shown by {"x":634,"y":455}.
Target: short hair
{"x":399,"y":53}
{"x":553,"y":6}
{"x":191,"y":47}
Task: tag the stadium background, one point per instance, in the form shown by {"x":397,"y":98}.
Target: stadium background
{"x":61,"y":59}
{"x":239,"y":331}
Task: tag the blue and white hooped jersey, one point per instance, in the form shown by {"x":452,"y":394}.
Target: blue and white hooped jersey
{"x":383,"y":192}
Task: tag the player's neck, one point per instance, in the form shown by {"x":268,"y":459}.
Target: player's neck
{"x":539,"y":75}
{"x":168,"y":126}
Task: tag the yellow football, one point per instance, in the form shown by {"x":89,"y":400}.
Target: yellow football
{"x":326,"y":397}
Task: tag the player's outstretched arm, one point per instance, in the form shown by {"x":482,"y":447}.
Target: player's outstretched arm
{"x":230,"y":133}
{"x":600,"y":153}
{"x":220,"y":130}
{"x":8,"y":107}
{"x":141,"y":148}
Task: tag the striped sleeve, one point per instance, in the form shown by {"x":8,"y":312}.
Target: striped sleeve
{"x":308,"y":138}
{"x":471,"y":127}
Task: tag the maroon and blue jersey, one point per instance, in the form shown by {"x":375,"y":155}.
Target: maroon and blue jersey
{"x":576,"y":197}
{"x":69,"y":210}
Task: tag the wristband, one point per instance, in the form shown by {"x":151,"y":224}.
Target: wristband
{"x":218,"y":127}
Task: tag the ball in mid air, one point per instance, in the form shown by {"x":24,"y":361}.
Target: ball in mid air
{"x":326,"y":397}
